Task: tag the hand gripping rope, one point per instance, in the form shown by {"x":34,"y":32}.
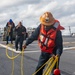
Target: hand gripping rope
{"x":13,"y":57}
{"x":50,"y":65}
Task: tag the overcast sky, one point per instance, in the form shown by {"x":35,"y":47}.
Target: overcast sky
{"x":29,"y":12}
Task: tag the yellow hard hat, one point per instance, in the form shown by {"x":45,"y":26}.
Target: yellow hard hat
{"x":47,"y":19}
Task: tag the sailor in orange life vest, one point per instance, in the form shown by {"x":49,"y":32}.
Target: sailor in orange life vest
{"x":49,"y":38}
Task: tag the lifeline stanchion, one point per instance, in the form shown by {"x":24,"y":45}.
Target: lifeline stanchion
{"x":13,"y":57}
{"x":51,"y":59}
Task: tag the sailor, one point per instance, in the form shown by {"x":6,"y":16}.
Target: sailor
{"x":9,"y":31}
{"x":49,"y":39}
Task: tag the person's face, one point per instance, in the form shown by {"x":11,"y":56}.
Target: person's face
{"x":20,"y":24}
{"x":9,"y":24}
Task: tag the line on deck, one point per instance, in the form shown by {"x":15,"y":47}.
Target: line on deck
{"x":14,"y":50}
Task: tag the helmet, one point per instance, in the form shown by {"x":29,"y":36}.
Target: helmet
{"x":56,"y":72}
{"x":47,"y":19}
{"x":10,"y":21}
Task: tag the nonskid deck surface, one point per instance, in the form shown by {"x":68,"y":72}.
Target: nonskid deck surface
{"x":31,"y":57}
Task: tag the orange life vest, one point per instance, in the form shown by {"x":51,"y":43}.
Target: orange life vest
{"x":47,"y":39}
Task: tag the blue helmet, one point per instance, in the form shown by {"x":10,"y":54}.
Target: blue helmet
{"x":10,"y":21}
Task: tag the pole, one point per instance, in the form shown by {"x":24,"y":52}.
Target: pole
{"x":70,"y":31}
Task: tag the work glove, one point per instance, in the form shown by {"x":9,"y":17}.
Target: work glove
{"x":53,"y":55}
{"x":24,"y":46}
{"x":58,"y":55}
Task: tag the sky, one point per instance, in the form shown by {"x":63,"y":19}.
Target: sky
{"x":29,"y":12}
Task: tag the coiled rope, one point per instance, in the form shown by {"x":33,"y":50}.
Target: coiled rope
{"x":50,"y":65}
{"x":51,"y":59}
{"x":14,"y":57}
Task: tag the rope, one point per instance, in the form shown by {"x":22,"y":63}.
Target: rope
{"x":50,"y":64}
{"x":57,"y":62}
{"x":51,"y":59}
{"x":10,"y":58}
{"x":12,"y":64}
{"x":49,"y":70}
{"x":22,"y":60}
{"x":13,"y":57}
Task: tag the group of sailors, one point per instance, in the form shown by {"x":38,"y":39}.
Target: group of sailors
{"x":17,"y":33}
